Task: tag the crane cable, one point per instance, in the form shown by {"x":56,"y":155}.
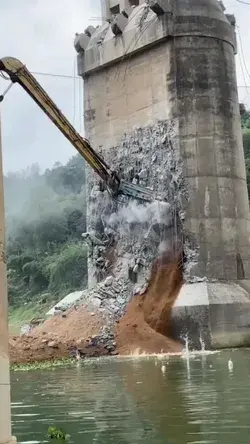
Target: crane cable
{"x":6,"y":91}
{"x":243,"y":2}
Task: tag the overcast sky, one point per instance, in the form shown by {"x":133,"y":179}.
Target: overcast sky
{"x":40,"y":33}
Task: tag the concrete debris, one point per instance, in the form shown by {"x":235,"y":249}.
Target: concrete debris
{"x":157,"y":6}
{"x":108,"y":281}
{"x":25,"y":329}
{"x":131,"y":234}
{"x":108,"y":298}
{"x":105,"y":339}
{"x":119,"y":23}
{"x":52,"y":344}
{"x":90,"y":30}
{"x":222,"y":5}
{"x":127,"y":11}
{"x":81,"y":42}
{"x":232,"y":20}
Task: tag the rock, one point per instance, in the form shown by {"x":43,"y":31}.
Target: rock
{"x":132,"y":263}
{"x":100,"y":260}
{"x":121,"y":300}
{"x":92,"y":314}
{"x":95,"y":192}
{"x":96,"y":302}
{"x":164,"y":139}
{"x":36,"y":321}
{"x":25,"y":329}
{"x":136,"y":269}
{"x":109,"y":281}
{"x":81,"y":353}
{"x":143,"y":174}
{"x":52,"y":344}
{"x":110,"y":348}
{"x":57,"y":311}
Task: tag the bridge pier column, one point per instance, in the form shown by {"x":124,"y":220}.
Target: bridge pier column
{"x":5,"y":404}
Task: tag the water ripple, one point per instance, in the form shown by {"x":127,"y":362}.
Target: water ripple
{"x":196,"y":400}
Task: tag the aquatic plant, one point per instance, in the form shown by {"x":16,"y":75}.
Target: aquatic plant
{"x":57,"y":434}
{"x":44,"y":365}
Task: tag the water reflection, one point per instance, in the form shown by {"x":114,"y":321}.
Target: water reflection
{"x":196,"y":399}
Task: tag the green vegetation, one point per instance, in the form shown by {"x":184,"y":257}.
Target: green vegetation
{"x":57,"y":434}
{"x":21,"y":315}
{"x":44,"y":365}
{"x":45,"y":217}
{"x":245,"y":120}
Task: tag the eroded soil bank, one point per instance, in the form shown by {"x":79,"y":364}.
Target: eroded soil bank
{"x":145,"y":327}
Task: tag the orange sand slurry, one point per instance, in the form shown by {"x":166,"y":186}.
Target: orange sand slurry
{"x":146,"y":325}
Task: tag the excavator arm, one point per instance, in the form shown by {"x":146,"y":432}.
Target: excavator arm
{"x":18,"y":73}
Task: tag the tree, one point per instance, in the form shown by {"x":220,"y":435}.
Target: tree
{"x":245,"y":120}
{"x":46,"y":215}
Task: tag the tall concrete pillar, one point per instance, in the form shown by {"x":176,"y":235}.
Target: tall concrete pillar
{"x":5,"y":414}
{"x":161,"y":105}
{"x":105,"y":10}
{"x":108,"y":5}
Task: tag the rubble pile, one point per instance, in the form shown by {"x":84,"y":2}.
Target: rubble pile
{"x":124,"y":238}
{"x":75,"y":332}
{"x":110,"y":297}
{"x":29,"y":348}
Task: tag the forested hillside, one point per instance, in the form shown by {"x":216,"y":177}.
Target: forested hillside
{"x":45,"y":217}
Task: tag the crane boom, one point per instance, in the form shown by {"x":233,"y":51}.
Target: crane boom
{"x":18,"y":73}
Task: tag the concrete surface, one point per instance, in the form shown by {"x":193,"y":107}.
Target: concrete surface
{"x":216,"y":313}
{"x":178,"y":67}
{"x":5,"y":414}
{"x":123,"y":4}
{"x":66,"y":302}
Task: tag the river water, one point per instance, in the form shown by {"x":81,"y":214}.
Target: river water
{"x":197,"y":399}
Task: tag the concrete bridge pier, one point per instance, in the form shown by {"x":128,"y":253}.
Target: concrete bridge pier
{"x":161,"y":106}
{"x":5,"y":405}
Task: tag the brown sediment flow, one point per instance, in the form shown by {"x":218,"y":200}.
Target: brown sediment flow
{"x":146,"y":326}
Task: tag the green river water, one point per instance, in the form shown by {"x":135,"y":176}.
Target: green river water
{"x":198,"y":400}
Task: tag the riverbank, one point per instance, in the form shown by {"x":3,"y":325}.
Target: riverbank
{"x":78,"y":332}
{"x":75,"y":332}
{"x":31,"y":349}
